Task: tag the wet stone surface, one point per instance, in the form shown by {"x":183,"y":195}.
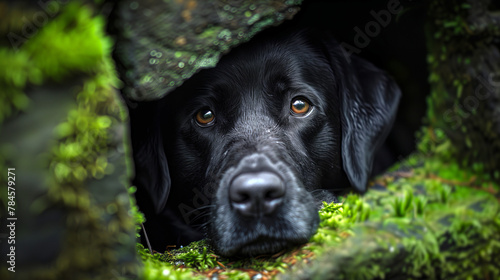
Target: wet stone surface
{"x":160,"y":44}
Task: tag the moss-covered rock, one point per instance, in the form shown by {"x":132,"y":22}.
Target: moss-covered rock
{"x":464,"y":60}
{"x":63,"y":131}
{"x":160,"y":44}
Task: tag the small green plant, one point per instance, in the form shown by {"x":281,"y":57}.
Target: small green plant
{"x":402,"y":205}
{"x":200,"y":260}
{"x":444,"y":193}
{"x":420,"y":202}
{"x":355,"y":209}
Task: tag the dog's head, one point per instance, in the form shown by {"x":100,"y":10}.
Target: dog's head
{"x":264,"y":136}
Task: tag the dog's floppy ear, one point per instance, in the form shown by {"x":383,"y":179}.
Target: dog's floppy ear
{"x":369,"y":100}
{"x":152,"y":176}
{"x":369,"y":104}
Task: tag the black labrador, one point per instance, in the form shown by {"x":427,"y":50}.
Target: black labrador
{"x":244,"y":153}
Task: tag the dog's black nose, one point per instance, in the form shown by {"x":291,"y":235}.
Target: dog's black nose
{"x":256,"y":194}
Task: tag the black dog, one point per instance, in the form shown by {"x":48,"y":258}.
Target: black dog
{"x":255,"y":144}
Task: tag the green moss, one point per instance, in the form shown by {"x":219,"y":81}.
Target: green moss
{"x":50,"y":56}
{"x":462,"y":57}
{"x":74,"y":44}
{"x":210,"y":33}
{"x":202,"y":39}
{"x":137,"y":215}
{"x":420,"y":226}
{"x":155,"y":267}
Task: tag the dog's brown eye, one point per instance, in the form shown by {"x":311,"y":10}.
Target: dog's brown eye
{"x":300,"y":106}
{"x":205,"y":117}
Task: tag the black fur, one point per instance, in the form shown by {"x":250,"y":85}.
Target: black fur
{"x":314,"y":155}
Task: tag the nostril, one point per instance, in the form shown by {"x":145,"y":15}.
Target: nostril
{"x":273,"y":194}
{"x":254,"y":194}
{"x":240,"y":197}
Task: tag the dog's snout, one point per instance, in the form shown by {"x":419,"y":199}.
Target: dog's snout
{"x":256,"y":194}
